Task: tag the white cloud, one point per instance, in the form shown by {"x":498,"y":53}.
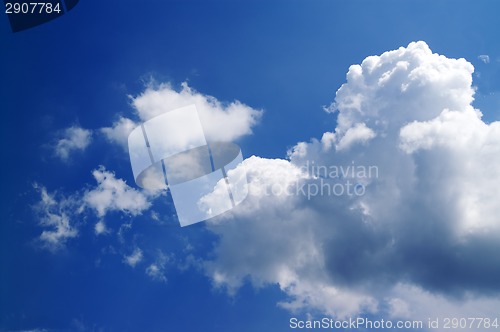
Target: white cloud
{"x":73,"y":139}
{"x":100,"y":228}
{"x":112,"y":194}
{"x":62,"y":215}
{"x":58,"y":214}
{"x":360,"y":133}
{"x":274,"y":238}
{"x":220,"y":121}
{"x":457,"y":130}
{"x":119,"y":131}
{"x":470,"y":155}
{"x":54,"y":216}
{"x":484,"y":58}
{"x":134,"y":258}
{"x":157,"y":269}
{"x":422,"y":237}
{"x":155,"y":216}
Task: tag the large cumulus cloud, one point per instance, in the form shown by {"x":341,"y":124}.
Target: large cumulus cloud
{"x":424,"y":234}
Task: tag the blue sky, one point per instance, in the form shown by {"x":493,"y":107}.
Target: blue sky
{"x":284,"y":58}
